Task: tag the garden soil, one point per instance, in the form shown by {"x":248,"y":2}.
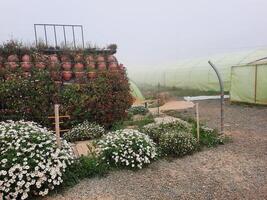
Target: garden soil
{"x":236,"y":170}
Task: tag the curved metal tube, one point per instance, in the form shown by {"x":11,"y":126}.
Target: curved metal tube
{"x":222,"y":95}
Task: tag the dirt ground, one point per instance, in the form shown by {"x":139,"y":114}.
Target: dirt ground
{"x":236,"y":170}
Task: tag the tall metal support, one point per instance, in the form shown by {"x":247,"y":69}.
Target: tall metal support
{"x":222,"y":95}
{"x":55,"y":34}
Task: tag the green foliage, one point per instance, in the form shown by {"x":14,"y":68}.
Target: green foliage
{"x":84,"y":167}
{"x":138,"y":110}
{"x":84,"y":131}
{"x":130,"y":122}
{"x":104,"y":99}
{"x":127,"y":148}
{"x":28,"y":98}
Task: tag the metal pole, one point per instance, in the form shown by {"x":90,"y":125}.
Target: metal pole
{"x":64,"y":31}
{"x":82,"y":36}
{"x":55,"y":33}
{"x":73,"y":34}
{"x":222,"y":94}
{"x":35,"y":33}
{"x":158,"y":99}
{"x":45,"y":35}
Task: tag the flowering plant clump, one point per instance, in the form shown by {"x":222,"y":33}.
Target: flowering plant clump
{"x":127,"y":148}
{"x":84,"y":131}
{"x":156,"y":130}
{"x":176,"y":143}
{"x":31,"y":162}
{"x":173,"y":138}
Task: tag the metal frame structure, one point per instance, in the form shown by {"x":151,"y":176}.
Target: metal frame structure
{"x":55,"y":33}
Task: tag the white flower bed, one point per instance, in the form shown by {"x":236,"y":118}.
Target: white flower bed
{"x":31,"y":163}
{"x":127,"y":148}
{"x":84,"y":131}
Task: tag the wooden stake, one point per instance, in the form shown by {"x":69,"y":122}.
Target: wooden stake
{"x":197,"y":116}
{"x":57,"y":128}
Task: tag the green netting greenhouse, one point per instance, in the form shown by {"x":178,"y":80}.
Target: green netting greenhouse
{"x":136,"y":93}
{"x":249,"y":83}
{"x":195,"y":73}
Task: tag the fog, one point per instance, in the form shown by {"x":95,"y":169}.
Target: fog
{"x":147,"y":32}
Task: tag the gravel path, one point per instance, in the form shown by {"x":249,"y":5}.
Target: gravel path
{"x":237,"y":170}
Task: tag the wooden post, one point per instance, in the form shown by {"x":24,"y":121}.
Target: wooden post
{"x":197,"y":116}
{"x":57,"y":128}
{"x":158,"y":98}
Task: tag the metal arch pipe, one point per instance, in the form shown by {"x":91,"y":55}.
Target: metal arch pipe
{"x":222,"y":95}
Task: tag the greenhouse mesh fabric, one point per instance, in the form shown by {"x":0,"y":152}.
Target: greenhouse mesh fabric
{"x":195,"y":73}
{"x":136,"y":93}
{"x":249,"y":84}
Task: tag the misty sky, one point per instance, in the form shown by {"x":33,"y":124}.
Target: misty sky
{"x":147,"y":32}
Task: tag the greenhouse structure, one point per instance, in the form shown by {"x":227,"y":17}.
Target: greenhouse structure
{"x":249,"y":83}
{"x":197,"y":73}
{"x":136,"y":93}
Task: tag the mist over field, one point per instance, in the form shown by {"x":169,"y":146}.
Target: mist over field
{"x":148,"y":33}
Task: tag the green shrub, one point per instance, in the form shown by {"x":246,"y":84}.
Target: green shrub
{"x":31,"y":162}
{"x":84,"y":131}
{"x":208,"y":137}
{"x":84,"y":167}
{"x":127,"y":148}
{"x":105,"y":99}
{"x":177,"y":143}
{"x":173,"y":138}
{"x":138,"y":110}
{"x":154,"y":131}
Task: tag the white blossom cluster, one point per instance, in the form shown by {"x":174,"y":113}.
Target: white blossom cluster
{"x":30,"y":161}
{"x":127,"y":148}
{"x":84,"y":131}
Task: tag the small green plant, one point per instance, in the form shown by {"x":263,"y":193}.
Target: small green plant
{"x":127,"y":149}
{"x":84,"y":131}
{"x":84,"y":167}
{"x":138,"y":110}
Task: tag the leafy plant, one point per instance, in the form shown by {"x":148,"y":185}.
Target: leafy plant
{"x":127,"y":149}
{"x":83,"y":167}
{"x":84,"y":131}
{"x":31,"y":162}
{"x":138,"y":110}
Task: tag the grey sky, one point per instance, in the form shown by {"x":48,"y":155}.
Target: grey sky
{"x":147,"y":32}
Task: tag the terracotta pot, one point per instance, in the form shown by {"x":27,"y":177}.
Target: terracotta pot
{"x":111,"y":58}
{"x":101,"y":66}
{"x":13,"y":58}
{"x":26,"y":58}
{"x":26,"y":66}
{"x":67,"y":75}
{"x":78,"y":67}
{"x":79,"y":75}
{"x":11,"y":65}
{"x":53,"y":58}
{"x":66,"y":66}
{"x":91,"y":75}
{"x":56,"y":76}
{"x":78,"y":57}
{"x":100,"y":58}
{"x":40,"y":65}
{"x":112,"y":66}
{"x":65,"y":58}
{"x":26,"y":74}
{"x":91,"y":65}
{"x":89,"y":59}
{"x":53,"y":65}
